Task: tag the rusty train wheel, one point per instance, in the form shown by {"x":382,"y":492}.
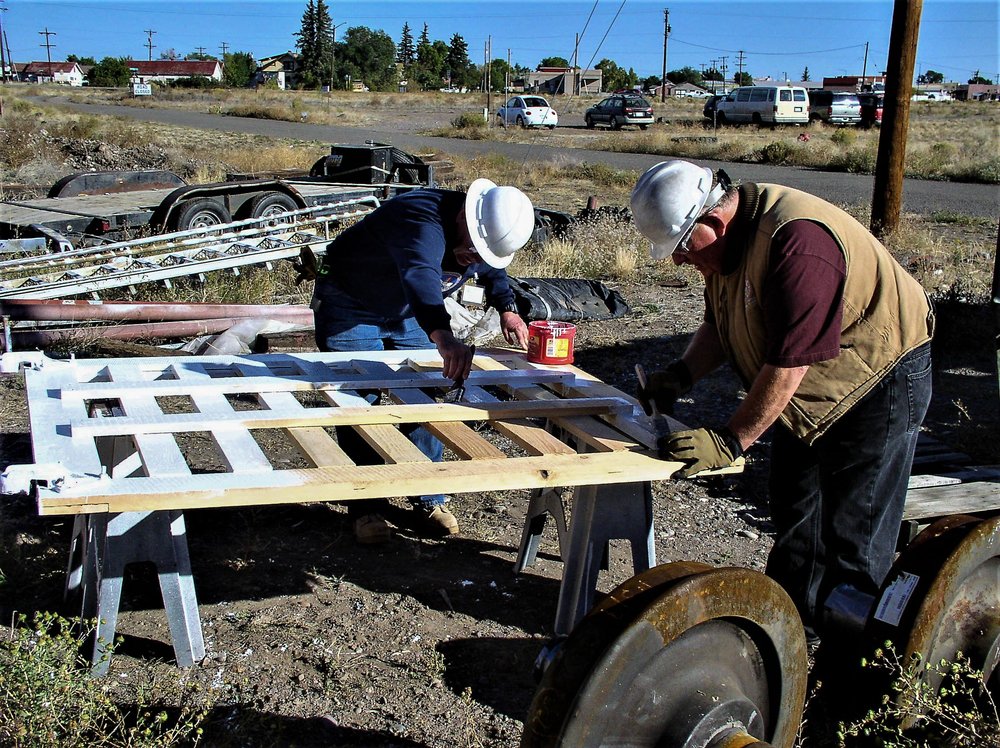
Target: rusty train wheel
{"x":681,"y":655}
{"x":942,"y":597}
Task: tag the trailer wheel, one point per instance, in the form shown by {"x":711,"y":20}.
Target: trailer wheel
{"x":200,"y":213}
{"x":270,"y":205}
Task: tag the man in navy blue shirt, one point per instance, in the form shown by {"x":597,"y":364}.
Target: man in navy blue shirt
{"x":380,"y":289}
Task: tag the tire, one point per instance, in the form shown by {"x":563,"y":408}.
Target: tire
{"x":551,"y":127}
{"x":615,"y":124}
{"x":720,"y":118}
{"x":643,"y":127}
{"x":589,"y":123}
{"x":520,"y":122}
{"x":501,"y":122}
{"x":271,"y":204}
{"x":755,"y":119}
{"x":200,"y":212}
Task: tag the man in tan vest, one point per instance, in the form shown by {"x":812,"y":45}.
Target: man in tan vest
{"x":831,"y":339}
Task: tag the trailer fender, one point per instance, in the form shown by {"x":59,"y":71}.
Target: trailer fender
{"x":233,"y":195}
{"x":109,"y":182}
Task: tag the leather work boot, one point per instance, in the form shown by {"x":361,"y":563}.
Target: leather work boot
{"x":370,"y":529}
{"x":436,"y":521}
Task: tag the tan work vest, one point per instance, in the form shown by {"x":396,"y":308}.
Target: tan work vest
{"x":886,"y":311}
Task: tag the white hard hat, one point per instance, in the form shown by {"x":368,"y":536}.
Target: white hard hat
{"x":668,"y":199}
{"x":500,"y":220}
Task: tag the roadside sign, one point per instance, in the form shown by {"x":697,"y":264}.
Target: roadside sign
{"x":142,"y":89}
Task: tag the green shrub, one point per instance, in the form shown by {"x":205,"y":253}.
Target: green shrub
{"x":777,"y":152}
{"x":844,"y":136}
{"x":855,"y":160}
{"x":48,"y":699}
{"x":467,"y":120}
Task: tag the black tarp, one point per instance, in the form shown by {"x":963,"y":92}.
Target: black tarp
{"x":566,"y":299}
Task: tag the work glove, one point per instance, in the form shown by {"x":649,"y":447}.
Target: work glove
{"x":664,"y":387}
{"x":306,"y":266}
{"x":699,"y":449}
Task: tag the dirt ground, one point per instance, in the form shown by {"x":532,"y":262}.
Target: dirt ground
{"x":313,"y":640}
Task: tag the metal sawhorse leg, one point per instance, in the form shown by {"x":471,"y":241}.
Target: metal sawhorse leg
{"x":103,"y":545}
{"x":600,"y":514}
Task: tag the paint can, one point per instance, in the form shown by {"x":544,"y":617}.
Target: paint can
{"x":551,"y":342}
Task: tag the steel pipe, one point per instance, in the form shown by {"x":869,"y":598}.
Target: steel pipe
{"x":59,"y":310}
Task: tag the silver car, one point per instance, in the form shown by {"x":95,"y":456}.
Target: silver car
{"x":835,"y":107}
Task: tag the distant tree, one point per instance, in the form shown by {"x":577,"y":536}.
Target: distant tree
{"x":314,"y":40}
{"x":614,"y":77}
{"x":111,"y":71}
{"x":431,"y":66}
{"x":368,"y":56}
{"x":712,"y":74}
{"x":81,"y":60}
{"x":931,"y":76}
{"x":651,"y":82}
{"x":498,"y":74}
{"x":977,"y":78}
{"x":170,"y":54}
{"x":463,"y":72}
{"x":238,"y":69}
{"x":201,"y":56}
{"x":554,"y":62}
{"x":743,"y":79}
{"x":686,"y":74}
{"x":406,"y":53}
{"x":805,"y":73}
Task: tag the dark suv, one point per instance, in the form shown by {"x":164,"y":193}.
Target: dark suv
{"x":711,"y":104}
{"x":835,"y":107}
{"x":871,"y":109}
{"x":618,"y":110}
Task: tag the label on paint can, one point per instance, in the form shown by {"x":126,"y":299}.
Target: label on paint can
{"x":895,"y":598}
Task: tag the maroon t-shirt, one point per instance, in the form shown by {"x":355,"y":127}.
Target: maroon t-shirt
{"x":803,"y":296}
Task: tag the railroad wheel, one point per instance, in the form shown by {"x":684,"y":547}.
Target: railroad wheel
{"x":199,"y":213}
{"x":943,"y":597}
{"x":271,"y":205}
{"x":682,"y":655}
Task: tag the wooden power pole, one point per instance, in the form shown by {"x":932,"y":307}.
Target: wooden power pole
{"x":887,"y":198}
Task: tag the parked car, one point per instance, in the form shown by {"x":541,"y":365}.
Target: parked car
{"x":871,"y":109}
{"x":527,"y":111}
{"x":759,"y":105}
{"x":834,"y":107}
{"x":710,"y":105}
{"x":618,"y":110}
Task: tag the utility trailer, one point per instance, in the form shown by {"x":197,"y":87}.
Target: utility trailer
{"x":101,"y":207}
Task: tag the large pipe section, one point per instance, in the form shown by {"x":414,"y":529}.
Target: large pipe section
{"x":60,"y":310}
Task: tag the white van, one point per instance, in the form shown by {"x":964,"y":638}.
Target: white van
{"x":765,"y":105}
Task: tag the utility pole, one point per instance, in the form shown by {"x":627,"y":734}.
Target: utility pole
{"x":739,"y":65}
{"x":48,"y":49}
{"x":666,"y":37}
{"x":714,"y":71}
{"x":722,"y":69}
{"x":864,"y":67}
{"x":149,"y":43}
{"x":506,"y":76}
{"x":201,"y":51}
{"x":487,"y":77}
{"x":576,"y":66}
{"x":3,"y":57}
{"x":225,"y":49}
{"x":887,"y":198}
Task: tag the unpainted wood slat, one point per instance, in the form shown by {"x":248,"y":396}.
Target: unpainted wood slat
{"x":961,"y":498}
{"x":358,"y":482}
{"x":316,"y":444}
{"x":461,"y":439}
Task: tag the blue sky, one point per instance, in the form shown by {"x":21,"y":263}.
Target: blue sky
{"x":777,"y":38}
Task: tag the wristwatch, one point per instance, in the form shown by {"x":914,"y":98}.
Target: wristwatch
{"x":510,"y":306}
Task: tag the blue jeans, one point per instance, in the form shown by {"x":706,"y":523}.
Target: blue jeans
{"x":342,"y":324}
{"x":837,"y":504}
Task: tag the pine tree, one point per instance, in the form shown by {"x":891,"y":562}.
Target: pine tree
{"x":406,"y":53}
{"x":462,"y":71}
{"x":315,"y":43}
{"x":805,"y":73}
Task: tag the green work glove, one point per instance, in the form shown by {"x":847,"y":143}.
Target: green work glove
{"x":664,"y":387}
{"x":700,"y":449}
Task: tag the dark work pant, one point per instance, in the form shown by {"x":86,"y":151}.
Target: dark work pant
{"x":837,"y":504}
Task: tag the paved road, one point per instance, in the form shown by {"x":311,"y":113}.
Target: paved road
{"x":919,"y":196}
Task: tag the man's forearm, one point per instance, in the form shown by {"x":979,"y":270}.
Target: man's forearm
{"x":770,"y":392}
{"x":704,"y":354}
